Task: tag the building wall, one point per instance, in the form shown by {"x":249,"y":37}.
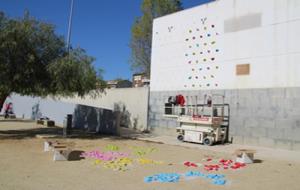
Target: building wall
{"x":196,"y":52}
{"x":92,"y":113}
{"x":263,"y":34}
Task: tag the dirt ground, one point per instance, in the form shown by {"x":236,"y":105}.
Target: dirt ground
{"x":25,"y":166}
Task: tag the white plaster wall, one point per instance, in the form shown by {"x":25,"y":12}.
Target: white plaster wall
{"x":131,"y":101}
{"x":271,"y":47}
{"x":53,"y":109}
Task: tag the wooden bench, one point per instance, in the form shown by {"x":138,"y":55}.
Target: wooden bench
{"x":61,"y":149}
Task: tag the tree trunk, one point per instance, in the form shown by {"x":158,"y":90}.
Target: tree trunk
{"x":3,"y":97}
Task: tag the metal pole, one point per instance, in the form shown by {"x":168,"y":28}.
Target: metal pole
{"x":70,"y":26}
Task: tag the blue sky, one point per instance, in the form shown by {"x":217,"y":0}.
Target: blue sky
{"x":101,"y":27}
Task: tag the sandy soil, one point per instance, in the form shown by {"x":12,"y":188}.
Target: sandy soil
{"x":24,"y":165}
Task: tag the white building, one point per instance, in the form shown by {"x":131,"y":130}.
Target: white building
{"x":248,"y":50}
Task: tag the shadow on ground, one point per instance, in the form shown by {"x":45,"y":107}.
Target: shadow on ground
{"x":57,"y":132}
{"x":75,"y":155}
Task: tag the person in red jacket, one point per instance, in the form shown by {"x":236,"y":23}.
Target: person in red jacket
{"x":8,"y":109}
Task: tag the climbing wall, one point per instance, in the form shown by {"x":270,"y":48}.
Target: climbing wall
{"x":213,"y":47}
{"x":201,"y":55}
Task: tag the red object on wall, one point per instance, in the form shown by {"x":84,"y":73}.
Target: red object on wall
{"x":180,"y":100}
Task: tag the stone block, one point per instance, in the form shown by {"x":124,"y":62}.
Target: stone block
{"x":266,"y":122}
{"x":267,"y":142}
{"x":296,"y":145}
{"x":293,"y":92}
{"x":285,"y":123}
{"x":275,"y":133}
{"x":251,"y":141}
{"x":283,"y":144}
{"x":277,"y":92}
{"x":237,"y":139}
{"x":251,"y":122}
{"x":292,"y":134}
{"x":259,"y":132}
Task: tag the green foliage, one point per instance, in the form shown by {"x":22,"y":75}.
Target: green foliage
{"x":34,"y":61}
{"x":141,"y":31}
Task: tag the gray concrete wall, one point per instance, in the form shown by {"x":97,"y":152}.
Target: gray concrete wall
{"x":264,"y":117}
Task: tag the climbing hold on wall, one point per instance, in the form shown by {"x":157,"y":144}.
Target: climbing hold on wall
{"x":186,"y":54}
{"x":193,"y":85}
{"x":212,"y":26}
{"x":217,"y":67}
{"x":217,"y":50}
{"x":193,"y":69}
{"x":205,"y":28}
{"x":190,"y":31}
{"x":201,"y":36}
{"x":213,"y":42}
{"x":200,"y":69}
{"x":204,"y":59}
{"x":190,"y":77}
{"x":190,"y":62}
{"x":194,"y":53}
{"x":186,"y":39}
{"x":197,"y":45}
{"x":207,"y":84}
{"x":205,"y":44}
{"x":212,"y":58}
{"x":196,"y":77}
{"x":190,"y":46}
{"x":208,"y":51}
{"x":212,"y":76}
{"x":201,"y":52}
{"x":197,"y":61}
{"x":204,"y":77}
{"x":197,"y":29}
{"x":208,"y":35}
{"x":208,"y":68}
{"x":194,"y":37}
{"x":216,"y":84}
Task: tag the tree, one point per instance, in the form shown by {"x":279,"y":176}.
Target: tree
{"x":141,"y":31}
{"x":34,"y":61}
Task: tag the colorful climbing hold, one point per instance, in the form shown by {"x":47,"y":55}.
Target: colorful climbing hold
{"x":212,"y":58}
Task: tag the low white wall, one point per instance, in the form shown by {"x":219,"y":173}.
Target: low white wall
{"x":131,"y":102}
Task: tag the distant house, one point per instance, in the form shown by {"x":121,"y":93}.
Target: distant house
{"x":118,"y":83}
{"x":140,"y":80}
